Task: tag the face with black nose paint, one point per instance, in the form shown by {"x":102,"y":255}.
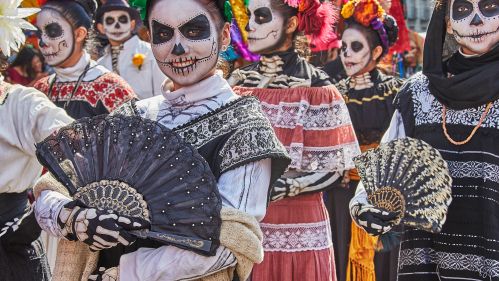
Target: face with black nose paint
{"x":475,"y":24}
{"x":55,"y":36}
{"x":185,"y":44}
{"x":266,"y":31}
{"x":117,"y":25}
{"x":355,"y":51}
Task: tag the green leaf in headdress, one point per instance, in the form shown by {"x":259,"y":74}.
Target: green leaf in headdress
{"x":228,"y":11}
{"x":246,"y":3}
{"x":141,"y":4}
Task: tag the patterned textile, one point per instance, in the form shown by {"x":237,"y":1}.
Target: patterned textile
{"x":280,"y":70}
{"x":102,"y":95}
{"x":313,"y":124}
{"x":467,"y":248}
{"x":296,"y":237}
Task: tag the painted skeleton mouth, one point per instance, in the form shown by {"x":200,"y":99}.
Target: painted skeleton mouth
{"x":117,"y":33}
{"x":273,"y":32}
{"x":186,"y":64}
{"x":55,"y":54}
{"x":477,"y":36}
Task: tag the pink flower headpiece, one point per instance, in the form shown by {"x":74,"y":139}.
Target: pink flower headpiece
{"x":316,"y":19}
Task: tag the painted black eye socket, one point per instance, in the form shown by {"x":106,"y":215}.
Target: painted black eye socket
{"x":461,"y":9}
{"x":53,"y":30}
{"x":263,"y":15}
{"x":123,"y":19}
{"x":489,"y":8}
{"x":109,"y":20}
{"x":357,"y":46}
{"x":161,"y":33}
{"x":196,"y":29}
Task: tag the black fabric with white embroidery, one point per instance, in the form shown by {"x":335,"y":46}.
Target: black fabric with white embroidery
{"x":467,"y":248}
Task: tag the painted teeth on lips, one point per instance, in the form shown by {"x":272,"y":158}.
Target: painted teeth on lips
{"x":183,"y":64}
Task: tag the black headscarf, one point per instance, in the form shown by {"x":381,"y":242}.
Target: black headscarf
{"x":475,"y":81}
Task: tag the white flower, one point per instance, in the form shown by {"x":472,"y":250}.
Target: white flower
{"x":12,"y":23}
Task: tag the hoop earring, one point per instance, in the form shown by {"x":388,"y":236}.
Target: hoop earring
{"x":224,"y":48}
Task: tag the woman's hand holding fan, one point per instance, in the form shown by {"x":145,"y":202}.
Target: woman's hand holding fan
{"x":407,"y":177}
{"x":100,"y":229}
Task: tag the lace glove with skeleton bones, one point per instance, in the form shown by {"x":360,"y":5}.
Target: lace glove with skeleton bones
{"x":306,"y":184}
{"x":100,"y":229}
{"x":105,"y":274}
{"x":373,"y":220}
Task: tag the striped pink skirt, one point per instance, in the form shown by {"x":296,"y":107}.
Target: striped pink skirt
{"x":297,"y":241}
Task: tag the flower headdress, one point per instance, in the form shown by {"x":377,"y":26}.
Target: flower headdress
{"x":316,"y":19}
{"x":367,"y":12}
{"x":12,"y":25}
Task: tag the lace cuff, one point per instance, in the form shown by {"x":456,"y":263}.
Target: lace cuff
{"x":47,"y":209}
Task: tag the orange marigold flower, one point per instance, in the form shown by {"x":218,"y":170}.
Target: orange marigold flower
{"x":138,"y":59}
{"x":366,"y":11}
{"x":347,"y":10}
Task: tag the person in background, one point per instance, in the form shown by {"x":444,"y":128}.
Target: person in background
{"x":412,"y":58}
{"x":27,"y":68}
{"x":311,"y":119}
{"x":80,"y":86}
{"x":28,"y":117}
{"x":127,"y":55}
{"x":453,"y":105}
{"x":369,"y":96}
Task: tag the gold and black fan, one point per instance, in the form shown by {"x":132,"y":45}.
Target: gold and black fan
{"x":408,"y":177}
{"x":139,"y":168}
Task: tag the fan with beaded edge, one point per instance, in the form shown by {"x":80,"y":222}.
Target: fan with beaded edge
{"x":139,"y":168}
{"x":408,"y":177}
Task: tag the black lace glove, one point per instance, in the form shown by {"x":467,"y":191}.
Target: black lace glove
{"x":105,"y":274}
{"x":373,"y":220}
{"x":100,"y":229}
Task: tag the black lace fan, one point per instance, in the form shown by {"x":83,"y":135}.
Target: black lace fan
{"x":139,"y":168}
{"x":409,"y":177}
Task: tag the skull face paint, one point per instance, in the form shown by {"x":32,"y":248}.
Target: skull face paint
{"x":55,"y":36}
{"x":265,"y":28}
{"x":186,"y":44}
{"x":117,"y":25}
{"x":355,"y":51}
{"x":475,"y":24}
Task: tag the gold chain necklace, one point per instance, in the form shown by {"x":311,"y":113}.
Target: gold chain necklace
{"x":472,"y":133}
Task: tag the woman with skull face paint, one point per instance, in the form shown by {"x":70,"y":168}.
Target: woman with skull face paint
{"x":310,"y":118}
{"x":231,"y":133}
{"x":369,"y":96}
{"x":79,"y":85}
{"x":453,"y":105}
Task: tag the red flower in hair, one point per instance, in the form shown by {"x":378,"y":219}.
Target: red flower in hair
{"x":366,"y":11}
{"x":309,"y":21}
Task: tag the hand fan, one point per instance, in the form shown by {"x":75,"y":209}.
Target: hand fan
{"x":408,"y":177}
{"x":139,"y":168}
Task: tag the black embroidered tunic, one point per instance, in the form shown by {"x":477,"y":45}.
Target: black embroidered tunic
{"x":467,"y":248}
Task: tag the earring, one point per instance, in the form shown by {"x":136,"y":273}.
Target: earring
{"x":224,"y":48}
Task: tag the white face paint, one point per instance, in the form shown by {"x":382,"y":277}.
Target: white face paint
{"x":355,"y":51}
{"x":265,"y":28}
{"x":475,"y":24}
{"x":117,"y":25}
{"x":186,"y":44}
{"x":55,"y":36}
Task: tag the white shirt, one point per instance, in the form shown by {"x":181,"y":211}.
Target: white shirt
{"x":244,"y":188}
{"x":27,"y":117}
{"x":71,"y":74}
{"x":145,"y":82}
